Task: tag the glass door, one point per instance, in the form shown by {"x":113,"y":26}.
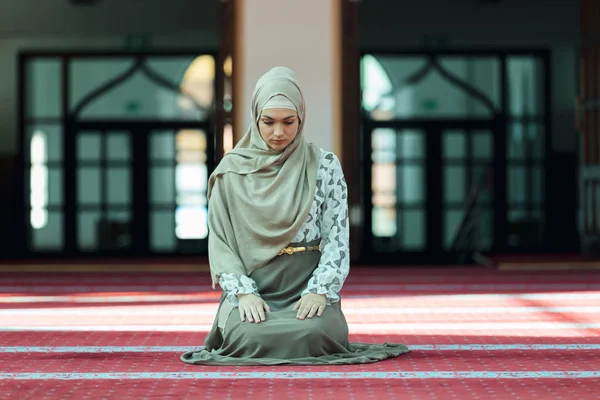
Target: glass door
{"x":104,"y":194}
{"x":467,"y":157}
{"x":141,"y":191}
{"x":178,"y":178}
{"x":420,"y":178}
{"x":398,"y":190}
{"x":117,"y":148}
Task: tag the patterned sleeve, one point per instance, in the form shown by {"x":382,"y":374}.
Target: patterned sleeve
{"x":234,"y":284}
{"x":334,"y":265}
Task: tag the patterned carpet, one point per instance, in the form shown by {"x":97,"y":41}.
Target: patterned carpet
{"x":474,"y":334}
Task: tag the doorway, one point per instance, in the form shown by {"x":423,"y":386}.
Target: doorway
{"x":138,"y":189}
{"x":421,"y":175}
{"x":433,"y":124}
{"x":116,"y":151}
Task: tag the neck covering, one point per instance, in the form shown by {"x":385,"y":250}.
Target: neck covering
{"x":260,"y":197}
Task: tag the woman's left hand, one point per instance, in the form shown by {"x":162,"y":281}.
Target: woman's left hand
{"x":311,"y":305}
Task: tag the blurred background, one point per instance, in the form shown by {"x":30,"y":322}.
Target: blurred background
{"x":467,"y":130}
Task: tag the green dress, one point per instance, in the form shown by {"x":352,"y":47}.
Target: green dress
{"x":283,"y":339}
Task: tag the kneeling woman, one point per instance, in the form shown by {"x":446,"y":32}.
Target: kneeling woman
{"x":279,"y":244}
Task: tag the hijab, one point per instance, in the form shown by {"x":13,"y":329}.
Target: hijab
{"x":260,"y":197}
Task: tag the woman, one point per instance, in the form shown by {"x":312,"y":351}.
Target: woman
{"x":278,"y":244}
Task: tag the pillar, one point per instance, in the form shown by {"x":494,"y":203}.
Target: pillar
{"x":303,"y":35}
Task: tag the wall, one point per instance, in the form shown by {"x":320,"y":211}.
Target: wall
{"x":298,"y":35}
{"x":33,"y":18}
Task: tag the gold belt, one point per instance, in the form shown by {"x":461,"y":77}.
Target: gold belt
{"x":292,"y":250}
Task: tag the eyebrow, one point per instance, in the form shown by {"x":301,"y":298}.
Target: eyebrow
{"x":288,"y":117}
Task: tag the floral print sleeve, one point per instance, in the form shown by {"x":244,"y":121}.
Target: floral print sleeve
{"x":334,"y":265}
{"x":234,"y":284}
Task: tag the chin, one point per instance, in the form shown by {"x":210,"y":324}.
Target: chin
{"x":279,"y":146}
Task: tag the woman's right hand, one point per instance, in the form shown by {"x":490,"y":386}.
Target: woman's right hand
{"x":252,"y":308}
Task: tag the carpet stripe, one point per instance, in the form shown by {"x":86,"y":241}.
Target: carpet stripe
{"x":350,"y":287}
{"x":307,"y":375}
{"x":354,"y":328}
{"x":348,"y":311}
{"x":176,"y":349}
{"x":195,"y":297}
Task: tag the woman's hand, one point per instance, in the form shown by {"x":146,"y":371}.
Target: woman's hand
{"x":310,"y":305}
{"x":252,"y":307}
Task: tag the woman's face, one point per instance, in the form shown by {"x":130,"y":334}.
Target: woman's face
{"x":278,"y":127}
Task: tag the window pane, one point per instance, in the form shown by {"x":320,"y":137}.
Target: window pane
{"x":454,"y":145}
{"x":383,"y":178}
{"x":413,"y":184}
{"x":118,"y":147}
{"x":88,"y":146}
{"x":55,"y":186}
{"x":162,"y":228}
{"x":516,"y":142}
{"x":383,"y":142}
{"x":191,"y":140}
{"x":162,"y":145}
{"x":119,"y":185}
{"x":388,"y":92}
{"x":162,"y":185}
{"x":191,"y":198}
{"x":485,"y":232}
{"x":413,"y":236}
{"x":51,"y":150}
{"x":484,"y":172}
{"x":535,"y":137}
{"x":184,"y":156}
{"x":191,"y":177}
{"x":140,"y":97}
{"x":454,"y":183}
{"x":452,"y":220}
{"x":384,"y":199}
{"x":526,"y":141}
{"x":43,"y":89}
{"x":88,"y":185}
{"x":525,"y":85}
{"x":39,"y":186}
{"x":191,"y":222}
{"x":86,"y":75}
{"x":50,"y":236}
{"x":482,"y":145}
{"x":87,"y":225}
{"x":516,"y":185}
{"x":412,"y":145}
{"x":384,"y":222}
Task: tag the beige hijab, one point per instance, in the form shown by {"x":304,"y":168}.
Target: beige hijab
{"x":260,"y":197}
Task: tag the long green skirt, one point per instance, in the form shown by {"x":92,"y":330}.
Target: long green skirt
{"x":283,"y":339}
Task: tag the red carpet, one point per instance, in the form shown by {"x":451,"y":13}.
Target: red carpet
{"x":473,"y":334}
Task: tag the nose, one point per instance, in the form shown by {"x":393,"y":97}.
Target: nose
{"x":278,"y":130}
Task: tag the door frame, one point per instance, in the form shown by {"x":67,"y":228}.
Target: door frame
{"x":434,"y":186}
{"x":498,"y":121}
{"x":70,"y":124}
{"x":139,"y":163}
